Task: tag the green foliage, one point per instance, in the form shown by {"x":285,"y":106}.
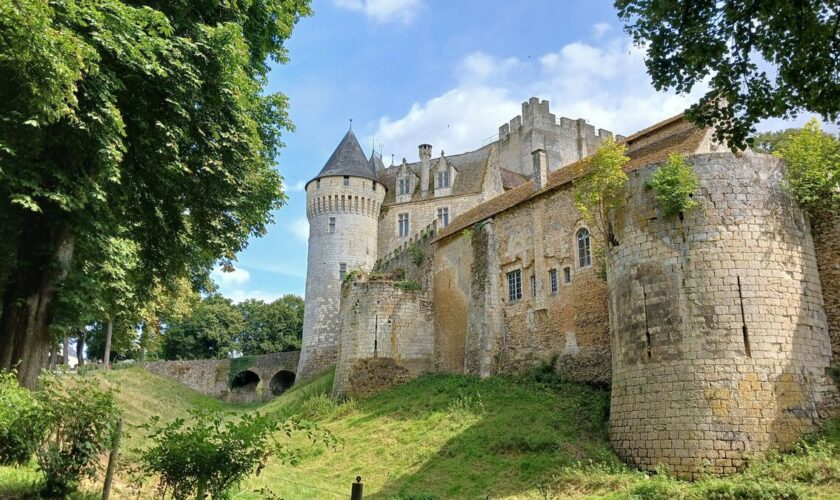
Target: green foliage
{"x":467,"y":233}
{"x":213,"y":454}
{"x":728,"y":46}
{"x":22,"y":426}
{"x":210,"y":331}
{"x":813,"y":169}
{"x":81,"y":418}
{"x":770,"y":142}
{"x":599,"y":189}
{"x":271,"y":327}
{"x":750,"y":490}
{"x":238,"y":365}
{"x":675,"y":183}
{"x":409,"y":285}
{"x":416,"y":254}
{"x":136,"y":140}
{"x":319,"y":407}
{"x":350,"y":276}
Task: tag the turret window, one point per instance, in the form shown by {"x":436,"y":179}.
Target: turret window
{"x":318,"y":184}
{"x":342,"y":270}
{"x":443,"y":216}
{"x":584,"y":249}
{"x":332,"y":225}
{"x":346,"y":180}
{"x":402,"y":225}
{"x":443,"y":179}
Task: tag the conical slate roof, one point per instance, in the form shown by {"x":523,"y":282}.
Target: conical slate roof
{"x":348,"y":159}
{"x":375,"y":162}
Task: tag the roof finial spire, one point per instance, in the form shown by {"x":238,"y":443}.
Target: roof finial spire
{"x":351,"y":124}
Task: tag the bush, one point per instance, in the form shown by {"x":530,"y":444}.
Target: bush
{"x":318,"y":407}
{"x":22,"y":426}
{"x":81,"y":420}
{"x":750,"y":490}
{"x":408,"y":285}
{"x":212,"y":454}
{"x":674,"y":183}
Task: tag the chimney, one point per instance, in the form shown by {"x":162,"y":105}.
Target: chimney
{"x":540,"y":168}
{"x":425,"y":157}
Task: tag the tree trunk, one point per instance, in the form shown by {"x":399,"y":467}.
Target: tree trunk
{"x":106,"y":358}
{"x":65,"y":352}
{"x":53,"y":356}
{"x":80,"y":348}
{"x":44,"y":254}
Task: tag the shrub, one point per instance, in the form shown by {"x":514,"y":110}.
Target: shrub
{"x":213,"y":454}
{"x":318,"y":407}
{"x":416,"y":254}
{"x":81,"y":420}
{"x":674,"y":184}
{"x":813,"y":172}
{"x":22,"y":426}
{"x":750,"y":490}
{"x":410,"y":285}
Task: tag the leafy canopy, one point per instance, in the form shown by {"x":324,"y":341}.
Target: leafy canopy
{"x":600,"y":187}
{"x":813,"y":169}
{"x":772,"y":58}
{"x":674,"y":183}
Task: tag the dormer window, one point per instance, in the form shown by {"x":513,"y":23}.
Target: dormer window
{"x":443,"y":178}
{"x":404,"y":185}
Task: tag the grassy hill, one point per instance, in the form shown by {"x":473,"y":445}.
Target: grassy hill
{"x":453,"y":436}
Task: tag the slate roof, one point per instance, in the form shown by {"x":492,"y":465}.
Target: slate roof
{"x":348,"y":159}
{"x":511,"y":179}
{"x":651,"y":145}
{"x":375,"y":162}
{"x":471,"y":168}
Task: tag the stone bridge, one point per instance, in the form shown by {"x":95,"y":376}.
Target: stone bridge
{"x":237,"y":380}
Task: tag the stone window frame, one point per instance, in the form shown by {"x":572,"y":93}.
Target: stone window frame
{"x":554,"y":281}
{"x":533,"y":285}
{"x":346,"y":181}
{"x":446,"y":213}
{"x":404,"y":186}
{"x":514,"y":284}
{"x":567,"y":275}
{"x":317,"y":183}
{"x":443,"y":175}
{"x":331,"y":226}
{"x":403,"y":217}
{"x":583,"y":249}
{"x":342,"y":270}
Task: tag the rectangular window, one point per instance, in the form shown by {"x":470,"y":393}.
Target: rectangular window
{"x":374,"y":186}
{"x":402,"y":225}
{"x":342,"y":270}
{"x":514,"y":285}
{"x":443,"y":179}
{"x":443,"y":216}
{"x":567,"y":275}
{"x":404,"y":186}
{"x":332,"y":224}
{"x":318,"y":184}
{"x":346,"y":180}
{"x":552,"y":278}
{"x":533,"y":285}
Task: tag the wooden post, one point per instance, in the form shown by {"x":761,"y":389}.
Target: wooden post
{"x":357,"y":489}
{"x":112,"y":462}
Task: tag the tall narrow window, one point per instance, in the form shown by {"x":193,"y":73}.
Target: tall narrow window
{"x":317,"y":183}
{"x":346,"y":180}
{"x":552,"y":279}
{"x":404,"y":185}
{"x":332,"y":225}
{"x":584,"y":250}
{"x":533,"y":285}
{"x":567,"y":275}
{"x":443,"y":216}
{"x":342,"y":270}
{"x":373,"y":186}
{"x":514,"y":285}
{"x":402,"y":225}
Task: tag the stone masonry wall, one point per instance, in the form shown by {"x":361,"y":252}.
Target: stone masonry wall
{"x":719,"y":338}
{"x":827,"y":245}
{"x":453,"y":261}
{"x":384,"y":326}
{"x":351,"y":241}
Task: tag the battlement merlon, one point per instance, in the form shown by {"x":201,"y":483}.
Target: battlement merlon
{"x":536,"y":113}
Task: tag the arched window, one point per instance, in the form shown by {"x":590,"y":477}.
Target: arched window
{"x":584,"y":248}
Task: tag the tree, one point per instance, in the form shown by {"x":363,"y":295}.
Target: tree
{"x":813,"y":169}
{"x":273,"y":327}
{"x":210,"y":331}
{"x":773,"y":58}
{"x":675,"y":183}
{"x":599,"y":189}
{"x":138,"y":121}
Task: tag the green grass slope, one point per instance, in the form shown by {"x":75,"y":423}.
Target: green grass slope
{"x":448,"y":436}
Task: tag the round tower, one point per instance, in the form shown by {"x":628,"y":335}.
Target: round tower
{"x":342,"y":205}
{"x":719,"y":337}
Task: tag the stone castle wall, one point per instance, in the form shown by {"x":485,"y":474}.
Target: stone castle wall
{"x":719,"y":337}
{"x":387,"y":337}
{"x":827,"y":245}
{"x":352,"y":241}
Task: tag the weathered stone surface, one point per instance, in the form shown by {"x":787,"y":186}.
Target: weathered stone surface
{"x":720,"y":344}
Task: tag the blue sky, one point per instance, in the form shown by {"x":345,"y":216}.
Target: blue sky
{"x":446,"y":73}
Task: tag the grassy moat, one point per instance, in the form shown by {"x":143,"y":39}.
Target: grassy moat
{"x":448,"y":436}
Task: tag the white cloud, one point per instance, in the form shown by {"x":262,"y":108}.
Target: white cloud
{"x":383,"y":11}
{"x":237,"y":277}
{"x":600,"y":29}
{"x":297,"y":187}
{"x":238,"y":296}
{"x":299,"y":228}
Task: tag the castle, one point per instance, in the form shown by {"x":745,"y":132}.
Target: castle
{"x":715,"y":328}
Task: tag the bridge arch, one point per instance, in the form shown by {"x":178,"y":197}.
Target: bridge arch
{"x":281,"y":382}
{"x":244,"y":384}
